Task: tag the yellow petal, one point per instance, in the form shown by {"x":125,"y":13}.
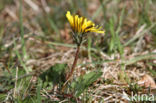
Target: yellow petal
{"x":70,"y":18}
{"x":76,"y":23}
{"x":89,"y":23}
{"x":82,"y":25}
{"x":93,"y":29}
{"x":90,"y":29}
{"x":100,"y":32}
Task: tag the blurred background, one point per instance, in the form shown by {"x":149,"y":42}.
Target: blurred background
{"x":35,"y":35}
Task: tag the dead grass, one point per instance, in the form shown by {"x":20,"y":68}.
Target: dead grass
{"x":48,"y":41}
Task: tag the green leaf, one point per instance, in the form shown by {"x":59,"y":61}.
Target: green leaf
{"x":153,"y":72}
{"x":2,"y":97}
{"x":6,"y":83}
{"x":83,"y":82}
{"x":39,"y":98}
{"x":55,"y":74}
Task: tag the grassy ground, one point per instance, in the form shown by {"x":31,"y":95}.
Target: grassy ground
{"x":37,"y":51}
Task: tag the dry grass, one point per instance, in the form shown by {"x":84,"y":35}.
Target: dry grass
{"x":47,"y":41}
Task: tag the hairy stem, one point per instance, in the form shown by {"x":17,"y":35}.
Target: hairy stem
{"x":72,"y":69}
{"x":74,"y":63}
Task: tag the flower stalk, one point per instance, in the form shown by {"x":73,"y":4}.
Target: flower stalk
{"x":74,"y":63}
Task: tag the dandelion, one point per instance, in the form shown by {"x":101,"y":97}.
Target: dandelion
{"x":80,"y":26}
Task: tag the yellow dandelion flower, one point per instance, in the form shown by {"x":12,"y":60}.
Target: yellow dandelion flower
{"x":81,"y":25}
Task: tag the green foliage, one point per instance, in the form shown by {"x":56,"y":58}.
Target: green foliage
{"x":135,"y":88}
{"x":55,"y":74}
{"x":24,"y":54}
{"x":38,"y":91}
{"x":115,"y":43}
{"x":7,"y":80}
{"x":144,"y":17}
{"x":2,"y":96}
{"x":6,"y":83}
{"x":53,"y":25}
{"x":152,"y":71}
{"x":4,"y":2}
{"x":83,"y":82}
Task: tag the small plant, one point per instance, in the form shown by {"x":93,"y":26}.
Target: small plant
{"x":80,"y":27}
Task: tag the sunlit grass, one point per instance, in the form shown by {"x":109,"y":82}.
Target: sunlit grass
{"x":37,"y":50}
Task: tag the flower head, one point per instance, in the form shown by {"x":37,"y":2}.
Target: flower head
{"x":81,"y":25}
